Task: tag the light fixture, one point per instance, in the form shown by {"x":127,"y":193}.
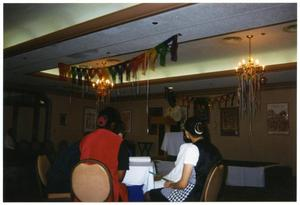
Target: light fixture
{"x":103,"y":86}
{"x":250,"y":78}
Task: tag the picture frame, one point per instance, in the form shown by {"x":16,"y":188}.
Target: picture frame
{"x":278,"y":118}
{"x":89,"y":119}
{"x":229,"y":124}
{"x":126,"y":118}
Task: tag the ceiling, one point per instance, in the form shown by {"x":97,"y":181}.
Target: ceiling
{"x":202,"y":50}
{"x":35,"y":20}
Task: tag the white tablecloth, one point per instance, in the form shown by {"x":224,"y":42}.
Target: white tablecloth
{"x":246,"y":176}
{"x":172,"y":142}
{"x":138,"y":174}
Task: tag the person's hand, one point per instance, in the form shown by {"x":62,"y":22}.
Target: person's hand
{"x":167,"y":184}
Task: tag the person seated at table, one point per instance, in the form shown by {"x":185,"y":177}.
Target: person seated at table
{"x":105,"y":145}
{"x":59,"y":173}
{"x":185,"y":183}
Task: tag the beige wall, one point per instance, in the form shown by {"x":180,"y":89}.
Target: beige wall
{"x":74,"y":108}
{"x":260,"y":147}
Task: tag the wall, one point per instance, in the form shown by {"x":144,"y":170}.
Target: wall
{"x":260,"y":147}
{"x":73,"y":108}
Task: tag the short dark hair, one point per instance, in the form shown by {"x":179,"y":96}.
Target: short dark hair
{"x":196,"y":127}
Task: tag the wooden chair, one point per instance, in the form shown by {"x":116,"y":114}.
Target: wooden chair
{"x":91,"y":181}
{"x":42,"y":167}
{"x":213,"y":183}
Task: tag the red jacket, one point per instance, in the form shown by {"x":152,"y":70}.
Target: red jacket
{"x":103,"y":145}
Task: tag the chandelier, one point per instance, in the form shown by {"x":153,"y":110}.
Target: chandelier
{"x":250,"y":78}
{"x":103,"y":86}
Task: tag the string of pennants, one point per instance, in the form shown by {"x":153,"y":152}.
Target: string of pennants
{"x":222,"y":100}
{"x":83,"y":76}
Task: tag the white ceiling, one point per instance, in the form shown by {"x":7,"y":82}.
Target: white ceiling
{"x":35,"y":20}
{"x":201,"y":48}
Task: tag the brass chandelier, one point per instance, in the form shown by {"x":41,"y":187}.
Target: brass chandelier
{"x":250,"y":78}
{"x":103,"y":86}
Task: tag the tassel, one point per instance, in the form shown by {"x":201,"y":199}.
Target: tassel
{"x":174,"y":47}
{"x":113,"y":73}
{"x":91,"y":74}
{"x":63,"y":70}
{"x":152,"y":56}
{"x":74,"y":74}
{"x":127,"y":70}
{"x":79,"y":74}
{"x":136,"y":63}
{"x":162,"y":50}
{"x":120,"y":70}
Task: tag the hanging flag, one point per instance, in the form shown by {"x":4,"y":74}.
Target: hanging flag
{"x":136,"y":63}
{"x":73,"y":74}
{"x":113,"y":73}
{"x":63,"y":70}
{"x":120,"y":68}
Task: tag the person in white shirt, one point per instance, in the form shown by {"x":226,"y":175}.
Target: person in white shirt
{"x":185,"y":181}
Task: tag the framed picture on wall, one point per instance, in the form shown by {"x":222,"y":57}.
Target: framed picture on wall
{"x":126,"y":118}
{"x":229,"y":121}
{"x":89,"y":119}
{"x":277,"y":118}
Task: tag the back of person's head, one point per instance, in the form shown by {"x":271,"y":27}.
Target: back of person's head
{"x":197,"y":128}
{"x":110,"y":118}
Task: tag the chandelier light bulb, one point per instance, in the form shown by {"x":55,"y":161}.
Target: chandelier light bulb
{"x":243,"y":61}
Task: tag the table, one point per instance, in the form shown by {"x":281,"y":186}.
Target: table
{"x":249,"y":174}
{"x":172,"y":142}
{"x":138,"y":174}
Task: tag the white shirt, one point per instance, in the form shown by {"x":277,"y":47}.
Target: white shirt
{"x":188,"y":154}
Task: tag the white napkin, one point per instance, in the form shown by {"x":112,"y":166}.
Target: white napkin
{"x":139,"y":159}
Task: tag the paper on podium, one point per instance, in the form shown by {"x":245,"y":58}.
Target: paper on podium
{"x":139,"y":159}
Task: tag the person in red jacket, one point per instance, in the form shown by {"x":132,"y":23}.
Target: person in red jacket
{"x":106,"y":145}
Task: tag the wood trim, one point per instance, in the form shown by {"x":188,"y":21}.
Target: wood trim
{"x":107,"y":21}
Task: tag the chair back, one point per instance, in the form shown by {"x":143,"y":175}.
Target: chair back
{"x":213,"y":183}
{"x":91,"y":181}
{"x":43,"y":165}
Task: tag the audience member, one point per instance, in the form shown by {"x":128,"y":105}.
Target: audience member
{"x":9,"y":140}
{"x":62,"y":145}
{"x":185,"y":182}
{"x":105,"y":145}
{"x":59,"y":174}
{"x":48,"y":149}
{"x":9,"y":152}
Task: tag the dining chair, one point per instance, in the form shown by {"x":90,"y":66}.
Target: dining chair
{"x":91,"y":181}
{"x":213,"y":183}
{"x":42,"y":166}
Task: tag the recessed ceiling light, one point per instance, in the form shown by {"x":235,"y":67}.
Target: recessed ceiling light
{"x":232,"y":39}
{"x":291,"y":28}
